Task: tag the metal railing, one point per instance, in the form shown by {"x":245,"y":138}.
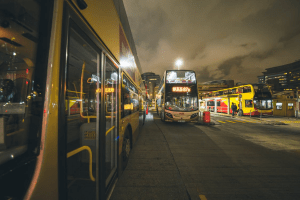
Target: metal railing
{"x":72,"y":153}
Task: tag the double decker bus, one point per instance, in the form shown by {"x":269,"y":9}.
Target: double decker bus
{"x":250,"y":99}
{"x":177,"y":96}
{"x":71,"y":98}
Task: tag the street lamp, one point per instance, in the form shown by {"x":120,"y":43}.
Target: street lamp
{"x":178,"y":63}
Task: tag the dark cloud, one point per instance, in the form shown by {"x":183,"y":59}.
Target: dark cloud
{"x":223,"y":39}
{"x":228,"y":65}
{"x":204,"y":75}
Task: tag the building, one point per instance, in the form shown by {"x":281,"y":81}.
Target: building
{"x":284,"y":77}
{"x":285,"y":82}
{"x":151,"y":80}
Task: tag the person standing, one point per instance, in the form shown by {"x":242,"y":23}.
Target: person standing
{"x":233,"y":108}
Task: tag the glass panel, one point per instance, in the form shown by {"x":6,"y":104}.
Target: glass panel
{"x":20,"y":107}
{"x":17,"y":61}
{"x":279,"y":106}
{"x":82,"y":105}
{"x":290,"y":106}
{"x":111,"y":97}
{"x":181,"y":77}
{"x":263,"y":104}
{"x":210,"y":103}
{"x":181,"y":103}
{"x":248,"y":103}
{"x":247,"y":89}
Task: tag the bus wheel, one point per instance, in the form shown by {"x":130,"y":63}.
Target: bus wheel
{"x":126,"y":147}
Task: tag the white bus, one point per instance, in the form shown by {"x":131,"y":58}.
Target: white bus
{"x":178,"y":96}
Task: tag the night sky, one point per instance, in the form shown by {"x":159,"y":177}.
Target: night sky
{"x":219,"y":39}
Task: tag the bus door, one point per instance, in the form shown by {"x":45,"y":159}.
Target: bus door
{"x":111,"y":134}
{"x":83,"y":74}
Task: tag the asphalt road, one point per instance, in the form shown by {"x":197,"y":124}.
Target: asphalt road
{"x":231,"y":160}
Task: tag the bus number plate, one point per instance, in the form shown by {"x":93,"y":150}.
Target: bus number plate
{"x":181,"y":120}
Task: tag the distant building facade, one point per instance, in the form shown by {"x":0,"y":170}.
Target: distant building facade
{"x":284,"y":77}
{"x":152,"y":81}
{"x":285,"y":82}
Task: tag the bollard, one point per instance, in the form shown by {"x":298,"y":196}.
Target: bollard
{"x":206,"y":117}
{"x":260,"y":114}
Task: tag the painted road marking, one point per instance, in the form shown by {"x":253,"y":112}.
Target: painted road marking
{"x":296,"y":122}
{"x":221,"y":122}
{"x":230,"y":121}
{"x":202,"y":197}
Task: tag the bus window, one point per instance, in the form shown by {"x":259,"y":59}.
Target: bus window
{"x":233,"y":91}
{"x":247,"y":89}
{"x":111,"y":99}
{"x":210,"y":103}
{"x":269,"y":104}
{"x":18,"y":106}
{"x":248,"y":103}
{"x":130,"y":100}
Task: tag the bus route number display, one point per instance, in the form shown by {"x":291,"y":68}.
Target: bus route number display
{"x":181,"y":89}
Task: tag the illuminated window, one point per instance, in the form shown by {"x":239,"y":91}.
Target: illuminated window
{"x":279,"y":106}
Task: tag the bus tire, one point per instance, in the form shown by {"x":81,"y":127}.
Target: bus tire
{"x":126,"y":148}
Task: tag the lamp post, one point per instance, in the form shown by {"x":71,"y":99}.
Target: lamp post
{"x":178,"y":63}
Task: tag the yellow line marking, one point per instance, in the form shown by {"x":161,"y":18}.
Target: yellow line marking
{"x":202,"y":197}
{"x":230,"y":121}
{"x":221,"y":122}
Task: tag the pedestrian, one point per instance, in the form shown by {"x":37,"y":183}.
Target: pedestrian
{"x":233,"y":108}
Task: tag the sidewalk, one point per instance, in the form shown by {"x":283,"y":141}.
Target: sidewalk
{"x":151,"y":172}
{"x":274,"y":120}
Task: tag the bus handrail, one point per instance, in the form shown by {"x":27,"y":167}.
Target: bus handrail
{"x":81,"y":92}
{"x":72,"y":153}
{"x":109,"y":130}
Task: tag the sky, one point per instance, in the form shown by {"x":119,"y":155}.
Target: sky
{"x":219,"y":39}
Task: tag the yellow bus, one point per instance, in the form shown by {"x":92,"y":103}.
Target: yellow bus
{"x":251,"y":99}
{"x":71,"y":98}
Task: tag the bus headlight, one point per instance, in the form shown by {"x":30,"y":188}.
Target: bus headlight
{"x":169,"y":115}
{"x":194,"y":115}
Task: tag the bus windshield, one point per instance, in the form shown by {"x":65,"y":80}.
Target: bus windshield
{"x":263,"y":104}
{"x":180,"y":77}
{"x":181,"y":103}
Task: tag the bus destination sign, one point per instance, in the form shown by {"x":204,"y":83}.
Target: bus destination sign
{"x":181,"y":89}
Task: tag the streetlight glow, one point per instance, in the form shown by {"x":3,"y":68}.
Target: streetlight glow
{"x":178,"y":63}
